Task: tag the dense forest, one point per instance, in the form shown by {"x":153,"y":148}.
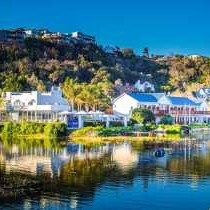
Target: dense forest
{"x":88,"y":70}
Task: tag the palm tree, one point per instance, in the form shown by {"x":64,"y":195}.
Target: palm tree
{"x":71,"y":90}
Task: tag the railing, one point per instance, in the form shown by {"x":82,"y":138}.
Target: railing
{"x":183,"y":112}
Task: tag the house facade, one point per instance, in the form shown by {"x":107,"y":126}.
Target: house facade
{"x":144,"y":86}
{"x":182,"y":109}
{"x":36,"y":106}
{"x":83,"y":37}
{"x":13,"y":35}
{"x":203,"y":93}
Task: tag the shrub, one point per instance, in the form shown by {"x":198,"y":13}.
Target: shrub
{"x":90,"y":131}
{"x":199,"y":125}
{"x":142,"y":116}
{"x":94,"y":124}
{"x":166,"y":120}
{"x":29,"y":128}
{"x":171,"y":129}
{"x":10,"y":129}
{"x":55,"y":130}
{"x":114,"y":131}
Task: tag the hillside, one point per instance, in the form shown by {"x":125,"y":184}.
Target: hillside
{"x":89,"y":76}
{"x":37,"y":64}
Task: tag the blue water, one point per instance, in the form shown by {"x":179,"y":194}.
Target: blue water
{"x":111,"y":176}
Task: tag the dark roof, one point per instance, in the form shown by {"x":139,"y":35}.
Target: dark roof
{"x":143,"y":97}
{"x":181,"y":101}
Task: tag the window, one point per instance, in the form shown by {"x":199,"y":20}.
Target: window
{"x":17,"y":102}
{"x":32,"y":102}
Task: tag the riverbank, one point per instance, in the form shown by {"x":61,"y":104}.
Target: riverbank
{"x":99,"y":140}
{"x":146,"y":130}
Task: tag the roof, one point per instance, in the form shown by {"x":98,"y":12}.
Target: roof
{"x":143,"y":97}
{"x":181,"y":101}
{"x":158,"y":95}
{"x":51,"y":100}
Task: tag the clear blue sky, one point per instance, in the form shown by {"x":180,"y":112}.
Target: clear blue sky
{"x":165,"y":26}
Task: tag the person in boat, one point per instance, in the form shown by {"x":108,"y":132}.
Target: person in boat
{"x":160,"y":152}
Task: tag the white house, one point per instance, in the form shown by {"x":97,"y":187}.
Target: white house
{"x":35,"y":105}
{"x":144,"y":86}
{"x":83,"y":37}
{"x":203,"y":93}
{"x":182,"y":109}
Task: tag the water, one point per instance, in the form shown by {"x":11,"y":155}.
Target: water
{"x":121,"y":175}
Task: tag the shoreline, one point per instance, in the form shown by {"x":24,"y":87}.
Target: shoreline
{"x":98,"y":139}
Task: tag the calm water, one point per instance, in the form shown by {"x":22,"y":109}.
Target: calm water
{"x":111,"y":176}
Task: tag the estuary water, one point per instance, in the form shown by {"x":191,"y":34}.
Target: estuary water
{"x":120,"y":175}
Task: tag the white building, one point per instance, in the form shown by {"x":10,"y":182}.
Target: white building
{"x":144,"y":86}
{"x":83,"y":37}
{"x":182,"y":109}
{"x":36,"y":106}
{"x":203,"y":93}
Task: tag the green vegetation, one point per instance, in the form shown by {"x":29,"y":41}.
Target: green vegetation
{"x":114,"y":131}
{"x":88,"y":96}
{"x":170,"y":129}
{"x":50,"y":130}
{"x":39,"y":64}
{"x":142,"y":116}
{"x":87,"y":131}
{"x":199,"y":125}
{"x":55,"y":130}
{"x":187,"y":74}
{"x":166,"y":120}
{"x":100,"y":131}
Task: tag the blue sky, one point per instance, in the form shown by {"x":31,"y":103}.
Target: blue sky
{"x":165,"y":26}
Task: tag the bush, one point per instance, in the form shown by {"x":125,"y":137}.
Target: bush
{"x":114,"y":131}
{"x":142,"y":116}
{"x":29,"y":128}
{"x":87,"y":131}
{"x":171,"y":129}
{"x":199,"y":125}
{"x":55,"y":130}
{"x":94,"y":124}
{"x":166,"y":120}
{"x":10,"y":129}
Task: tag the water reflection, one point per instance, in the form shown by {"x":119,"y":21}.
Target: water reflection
{"x":77,"y":176}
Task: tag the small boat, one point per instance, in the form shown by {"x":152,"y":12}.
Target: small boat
{"x":159,"y":152}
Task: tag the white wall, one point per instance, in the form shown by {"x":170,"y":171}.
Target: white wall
{"x":124,"y":104}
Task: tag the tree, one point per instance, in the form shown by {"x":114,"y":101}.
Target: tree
{"x":166,"y":120}
{"x":71,"y":90}
{"x":100,"y":76}
{"x":15,"y":83}
{"x":166,"y":88}
{"x":142,"y":116}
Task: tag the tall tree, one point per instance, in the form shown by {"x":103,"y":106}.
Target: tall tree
{"x":71,"y":90}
